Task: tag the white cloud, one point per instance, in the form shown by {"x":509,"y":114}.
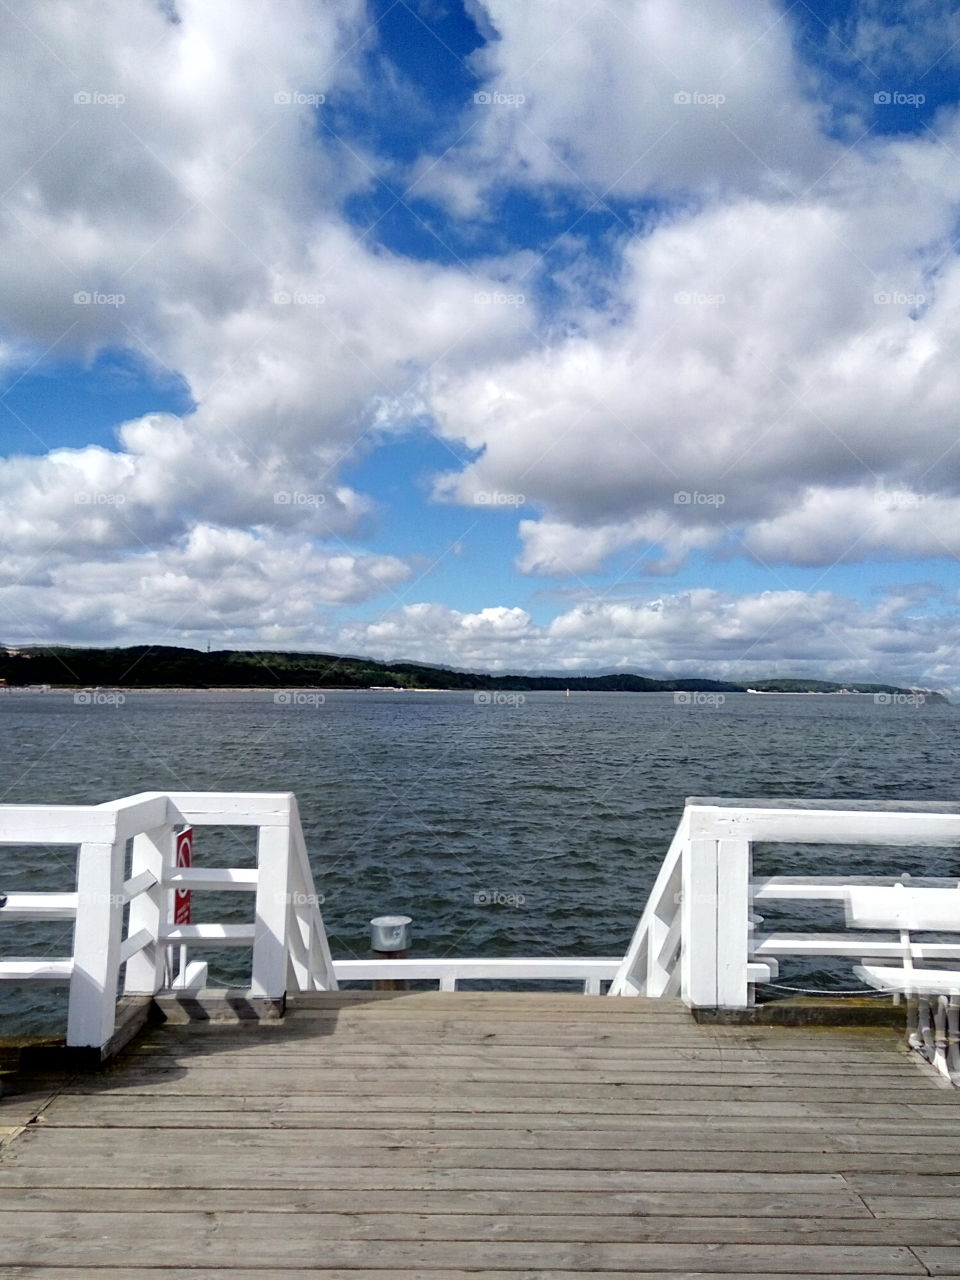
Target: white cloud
{"x":235,"y":587}
{"x":761,"y":349}
{"x":170,"y":191}
{"x":626,"y":98}
{"x":703,"y":632}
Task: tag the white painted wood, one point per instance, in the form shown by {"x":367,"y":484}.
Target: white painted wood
{"x":849,"y":944}
{"x":904,"y":907}
{"x":232,"y":809}
{"x":698,"y":951}
{"x":193,"y":977}
{"x":138,"y":884}
{"x":632,"y":976}
{"x":323,"y":976}
{"x":69,"y":824}
{"x":210,"y":935}
{"x":733,"y":912}
{"x":270,"y":952}
{"x":664,"y":936}
{"x":143,"y":812}
{"x":96,"y":944}
{"x":824,"y":826}
{"x":449,"y":970}
{"x":134,"y":943}
{"x":222,"y":879}
{"x":36,"y":971}
{"x":149,"y":910}
{"x":829,"y":888}
{"x":931,"y":981}
{"x":40,"y":906}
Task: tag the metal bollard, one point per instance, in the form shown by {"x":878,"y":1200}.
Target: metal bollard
{"x":390,"y":940}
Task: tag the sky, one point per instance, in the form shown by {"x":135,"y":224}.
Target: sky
{"x":527,"y":335}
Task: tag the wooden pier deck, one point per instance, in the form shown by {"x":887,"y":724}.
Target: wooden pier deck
{"x":490,"y":1136}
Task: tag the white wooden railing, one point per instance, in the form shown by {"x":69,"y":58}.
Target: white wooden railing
{"x":698,"y":937}
{"x":287,"y":937}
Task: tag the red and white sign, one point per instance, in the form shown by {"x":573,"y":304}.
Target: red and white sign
{"x":181,"y":897}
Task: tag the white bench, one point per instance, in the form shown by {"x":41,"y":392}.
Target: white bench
{"x":933,"y":994}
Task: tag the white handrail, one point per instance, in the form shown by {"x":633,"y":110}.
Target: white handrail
{"x":144,"y":827}
{"x":696,"y":934}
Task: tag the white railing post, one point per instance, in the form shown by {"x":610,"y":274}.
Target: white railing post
{"x":153,"y":852}
{"x":96,"y":944}
{"x":733,"y":918}
{"x":269,"y":978}
{"x":698,"y":954}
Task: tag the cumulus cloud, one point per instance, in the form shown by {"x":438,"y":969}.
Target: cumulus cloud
{"x":625,"y":99}
{"x":171,"y":191}
{"x":235,"y":587}
{"x":698,"y":632}
{"x":764,"y":348}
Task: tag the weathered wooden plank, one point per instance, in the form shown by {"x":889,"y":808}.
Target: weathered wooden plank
{"x":735,"y":1137}
{"x":311,"y":1092}
{"x":504,"y":1064}
{"x":412,"y":1107}
{"x":104,"y":1239}
{"x":364,"y":1273}
{"x":234,"y":1169}
{"x":527,"y":1084}
{"x":939,"y":1261}
{"x":495,"y":1116}
{"x":704,"y":1204}
{"x":926,"y":1182}
{"x":903,"y":1205}
{"x":651,"y":1032}
{"x":550,"y":1229}
{"x":165,"y":1113}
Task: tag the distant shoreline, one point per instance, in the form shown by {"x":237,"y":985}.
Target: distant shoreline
{"x":270,"y":690}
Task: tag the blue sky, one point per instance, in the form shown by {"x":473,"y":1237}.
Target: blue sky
{"x":611,"y":336}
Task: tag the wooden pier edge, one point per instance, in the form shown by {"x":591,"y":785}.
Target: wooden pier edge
{"x":808,"y":1011}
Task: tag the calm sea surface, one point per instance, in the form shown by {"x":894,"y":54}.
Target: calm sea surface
{"x":501,"y":829}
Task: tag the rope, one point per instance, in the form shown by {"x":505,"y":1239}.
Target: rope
{"x":814,"y":991}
